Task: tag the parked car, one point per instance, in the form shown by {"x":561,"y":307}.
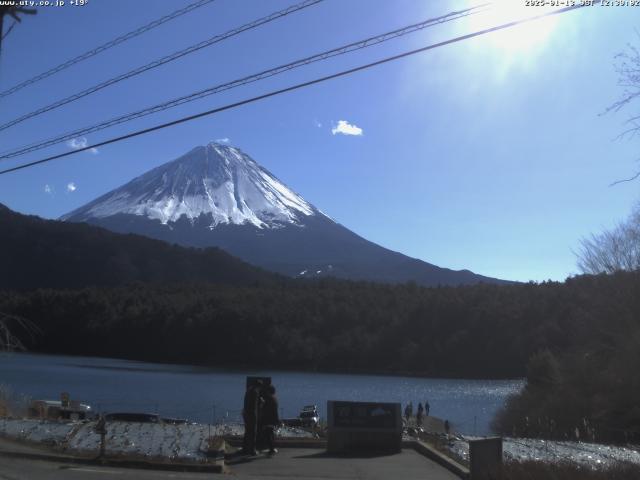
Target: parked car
{"x":309,"y":416}
{"x":54,"y":410}
{"x":174,"y":421}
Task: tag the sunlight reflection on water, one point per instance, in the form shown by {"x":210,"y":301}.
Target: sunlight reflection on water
{"x":199,"y":393}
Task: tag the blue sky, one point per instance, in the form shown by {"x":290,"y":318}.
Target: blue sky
{"x":489,"y":154}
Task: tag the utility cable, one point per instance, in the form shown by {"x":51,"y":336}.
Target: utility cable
{"x":161,"y":61}
{"x":295,"y":87}
{"x":244,"y":81}
{"x":106,"y":46}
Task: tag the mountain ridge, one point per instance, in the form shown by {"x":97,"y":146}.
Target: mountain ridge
{"x":216,"y":195}
{"x":40,"y":253}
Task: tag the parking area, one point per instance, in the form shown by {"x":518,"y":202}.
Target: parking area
{"x":316,"y":464}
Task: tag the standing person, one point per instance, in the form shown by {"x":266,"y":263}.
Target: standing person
{"x":419,"y":415}
{"x":427,"y":407}
{"x":250,"y":417}
{"x":260,"y":432}
{"x":407,"y":413}
{"x":270,"y":418}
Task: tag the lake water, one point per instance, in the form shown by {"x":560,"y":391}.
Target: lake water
{"x":206,"y":394}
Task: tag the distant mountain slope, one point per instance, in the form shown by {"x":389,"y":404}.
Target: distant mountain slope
{"x":37,"y":253}
{"x":217,"y":195}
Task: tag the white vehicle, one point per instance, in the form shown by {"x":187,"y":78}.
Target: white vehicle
{"x":56,"y":410}
{"x":309,"y":416}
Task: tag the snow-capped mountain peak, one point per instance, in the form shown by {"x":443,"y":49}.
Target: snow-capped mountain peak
{"x":217,"y":181}
{"x":217,"y":196}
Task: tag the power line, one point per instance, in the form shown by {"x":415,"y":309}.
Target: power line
{"x":246,"y":80}
{"x":106,"y":46}
{"x":162,"y":61}
{"x":295,"y":87}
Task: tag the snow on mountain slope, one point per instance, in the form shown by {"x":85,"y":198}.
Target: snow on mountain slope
{"x":217,"y":196}
{"x":216,"y":180}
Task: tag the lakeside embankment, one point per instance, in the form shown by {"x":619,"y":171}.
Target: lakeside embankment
{"x":187,"y":443}
{"x":153,"y":442}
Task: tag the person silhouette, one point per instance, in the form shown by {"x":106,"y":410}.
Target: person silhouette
{"x":250,"y":417}
{"x":270,"y":419}
{"x":419,"y":415}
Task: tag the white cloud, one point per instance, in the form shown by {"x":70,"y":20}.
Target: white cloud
{"x":345,"y":128}
{"x":71,"y":187}
{"x":48,"y":189}
{"x":223,"y":140}
{"x":77,"y":143}
{"x":317,"y":123}
{"x":81,"y":142}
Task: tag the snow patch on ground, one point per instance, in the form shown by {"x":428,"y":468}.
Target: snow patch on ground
{"x":587,"y":454}
{"x":48,"y":433}
{"x":159,"y":441}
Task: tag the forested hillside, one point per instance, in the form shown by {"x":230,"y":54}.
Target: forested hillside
{"x":485,"y":331}
{"x":37,"y":253}
{"x":589,"y":390}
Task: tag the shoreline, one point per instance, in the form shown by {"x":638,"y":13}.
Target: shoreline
{"x":262,"y":369}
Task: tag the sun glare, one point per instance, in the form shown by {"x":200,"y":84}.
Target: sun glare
{"x":519,"y":38}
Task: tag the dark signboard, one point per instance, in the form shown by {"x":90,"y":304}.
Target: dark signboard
{"x":485,"y":458}
{"x":254,"y":380}
{"x":365,"y":415}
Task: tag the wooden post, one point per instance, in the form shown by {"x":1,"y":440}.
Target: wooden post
{"x":101,"y":428}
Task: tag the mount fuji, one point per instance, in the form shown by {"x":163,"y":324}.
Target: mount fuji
{"x":216,"y":195}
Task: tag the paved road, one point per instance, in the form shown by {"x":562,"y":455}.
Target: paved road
{"x":307,"y":464}
{"x":22,"y":469}
{"x":316,"y":464}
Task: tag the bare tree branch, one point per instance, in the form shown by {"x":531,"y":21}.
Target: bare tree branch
{"x":14,"y":12}
{"x":612,"y":250}
{"x":9,"y":30}
{"x":627,"y":66}
{"x":9,"y":324}
{"x":631,"y":179}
